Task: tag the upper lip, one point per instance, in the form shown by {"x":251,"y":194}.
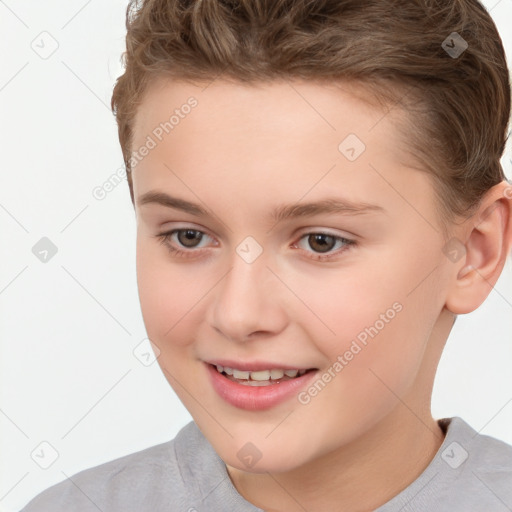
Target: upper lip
{"x":255,"y":366}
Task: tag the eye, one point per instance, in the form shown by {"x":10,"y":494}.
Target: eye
{"x":186,"y":238}
{"x":189,"y":238}
{"x":323,"y":245}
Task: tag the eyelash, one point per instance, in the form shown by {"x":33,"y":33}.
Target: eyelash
{"x":164,"y":239}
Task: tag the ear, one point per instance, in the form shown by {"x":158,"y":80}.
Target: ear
{"x":487,"y":243}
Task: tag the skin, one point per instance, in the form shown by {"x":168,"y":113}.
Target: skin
{"x":240,"y":153}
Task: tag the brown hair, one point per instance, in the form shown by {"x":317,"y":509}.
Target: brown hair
{"x":398,"y":50}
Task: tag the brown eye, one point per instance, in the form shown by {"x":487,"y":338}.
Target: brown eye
{"x":321,"y":242}
{"x":321,"y":245}
{"x":189,"y":237}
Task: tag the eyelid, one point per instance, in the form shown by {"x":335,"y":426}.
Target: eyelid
{"x":326,"y":231}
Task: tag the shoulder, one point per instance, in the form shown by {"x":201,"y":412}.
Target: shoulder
{"x":145,"y":480}
{"x":470,"y":471}
{"x":482,"y":465}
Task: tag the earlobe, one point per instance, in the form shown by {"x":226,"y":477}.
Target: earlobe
{"x":488,"y":236}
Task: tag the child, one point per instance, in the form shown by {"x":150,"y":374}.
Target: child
{"x":318,"y":194}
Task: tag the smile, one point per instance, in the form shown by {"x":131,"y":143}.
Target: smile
{"x":260,"y":389}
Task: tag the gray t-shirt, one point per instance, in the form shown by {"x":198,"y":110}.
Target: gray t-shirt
{"x":470,"y":472}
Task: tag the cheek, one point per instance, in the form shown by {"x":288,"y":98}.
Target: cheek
{"x":343,"y":303}
{"x":170,"y":297}
{"x":373,"y":363}
{"x":374,"y":320}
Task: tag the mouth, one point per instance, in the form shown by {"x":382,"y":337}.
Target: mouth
{"x":261,"y":377}
{"x":257,"y":389}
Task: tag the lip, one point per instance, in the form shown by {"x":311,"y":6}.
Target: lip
{"x":256,"y":398}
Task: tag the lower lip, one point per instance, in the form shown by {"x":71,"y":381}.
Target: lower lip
{"x":256,"y":398}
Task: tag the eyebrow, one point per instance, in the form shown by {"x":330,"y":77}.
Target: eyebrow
{"x":280,"y":213}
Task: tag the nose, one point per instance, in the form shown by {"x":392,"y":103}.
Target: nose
{"x":247,"y":302}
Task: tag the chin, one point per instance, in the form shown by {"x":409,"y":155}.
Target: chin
{"x":259,"y":457}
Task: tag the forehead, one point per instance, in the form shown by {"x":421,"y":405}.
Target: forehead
{"x":280,"y":111}
{"x":270,"y":137}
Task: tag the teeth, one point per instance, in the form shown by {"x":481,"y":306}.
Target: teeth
{"x":277,"y":374}
{"x":260,"y":376}
{"x":238,"y":374}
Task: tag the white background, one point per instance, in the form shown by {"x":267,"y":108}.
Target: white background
{"x":68,"y":327}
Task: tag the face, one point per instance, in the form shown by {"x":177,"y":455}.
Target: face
{"x":270,"y":238}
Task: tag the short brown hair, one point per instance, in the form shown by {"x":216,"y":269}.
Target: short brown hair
{"x":397,"y":50}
